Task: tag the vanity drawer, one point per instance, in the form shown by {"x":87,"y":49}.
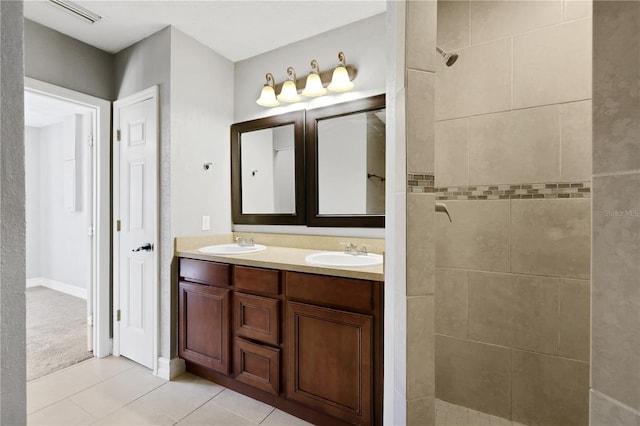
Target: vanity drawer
{"x":335,"y":291}
{"x":256,"y":280}
{"x":204,"y":272}
{"x":257,"y":318}
{"x":257,"y":366}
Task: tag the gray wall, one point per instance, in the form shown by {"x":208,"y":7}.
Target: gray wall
{"x":201,"y":113}
{"x":58,"y":59}
{"x":363,"y":43}
{"x":12,"y":217}
{"x":615,"y":288}
{"x":138,"y":67}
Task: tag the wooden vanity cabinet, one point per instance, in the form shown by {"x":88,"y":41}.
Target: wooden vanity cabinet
{"x":204,"y":315}
{"x":308,"y":344}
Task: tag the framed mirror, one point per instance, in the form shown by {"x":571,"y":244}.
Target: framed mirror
{"x":345,"y":146}
{"x":267,"y":170}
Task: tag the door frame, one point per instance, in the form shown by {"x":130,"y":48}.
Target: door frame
{"x":149,"y":93}
{"x":99,"y":290}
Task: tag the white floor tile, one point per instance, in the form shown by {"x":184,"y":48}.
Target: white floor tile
{"x":116,"y":392}
{"x":250,"y":409}
{"x":280,"y":418}
{"x":63,"y":413}
{"x":138,"y":416}
{"x":214,"y":415}
{"x":180,"y":397}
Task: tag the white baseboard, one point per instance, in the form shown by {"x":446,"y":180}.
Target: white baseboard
{"x":169,"y":370}
{"x":65,"y":288}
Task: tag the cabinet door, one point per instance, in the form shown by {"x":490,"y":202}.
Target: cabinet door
{"x":329,"y":361}
{"x":204,"y":326}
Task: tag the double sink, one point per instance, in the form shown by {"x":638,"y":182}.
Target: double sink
{"x":324,"y":258}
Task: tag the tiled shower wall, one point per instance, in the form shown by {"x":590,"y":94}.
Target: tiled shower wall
{"x":513,"y":165}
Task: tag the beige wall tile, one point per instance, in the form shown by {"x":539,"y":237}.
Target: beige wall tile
{"x":574,"y":312}
{"x":548,"y":390}
{"x":551,"y":237}
{"x":420,"y":347}
{"x":477,"y":239}
{"x":576,"y":9}
{"x":474,"y":375}
{"x":616,"y":67}
{"x":451,"y":302}
{"x":615,"y":340}
{"x":491,"y":20}
{"x":421,"y":35}
{"x":421,"y":412}
{"x":552,"y":65}
{"x":452,"y":153}
{"x":515,"y":147}
{"x":478,"y":83}
{"x":535,"y":313}
{"x":453,"y":24}
{"x":421,"y":251}
{"x":491,"y":298}
{"x":605,"y":412}
{"x":420,"y":122}
{"x":575,"y":125}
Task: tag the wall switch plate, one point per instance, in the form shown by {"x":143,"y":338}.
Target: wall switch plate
{"x":206,"y":223}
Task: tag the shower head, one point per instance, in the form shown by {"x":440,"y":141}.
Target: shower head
{"x":450,"y":58}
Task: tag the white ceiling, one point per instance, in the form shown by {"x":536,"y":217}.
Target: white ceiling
{"x":41,"y":110}
{"x":235,"y":29}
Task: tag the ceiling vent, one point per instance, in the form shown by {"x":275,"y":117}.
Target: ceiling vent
{"x":77,"y":10}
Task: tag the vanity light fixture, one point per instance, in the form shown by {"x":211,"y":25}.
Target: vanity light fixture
{"x":314,"y":87}
{"x":340,"y":81}
{"x":289,"y":92}
{"x":268,"y":95}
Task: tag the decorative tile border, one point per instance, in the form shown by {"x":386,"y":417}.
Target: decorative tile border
{"x":420,"y":182}
{"x":521,"y":191}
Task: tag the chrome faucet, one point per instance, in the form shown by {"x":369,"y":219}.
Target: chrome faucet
{"x":245,"y":242}
{"x":351,"y":248}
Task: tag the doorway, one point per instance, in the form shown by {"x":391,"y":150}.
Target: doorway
{"x":67,"y":162}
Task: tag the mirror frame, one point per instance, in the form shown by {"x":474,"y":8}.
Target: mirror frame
{"x":315,"y":219}
{"x":298,"y":218}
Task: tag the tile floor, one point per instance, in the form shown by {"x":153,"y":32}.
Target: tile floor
{"x":116,"y":391}
{"x":448,"y":414}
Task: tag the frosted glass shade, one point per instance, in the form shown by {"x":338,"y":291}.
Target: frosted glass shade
{"x":340,"y":81}
{"x":289,"y":92}
{"x":267,"y":97}
{"x":314,"y":87}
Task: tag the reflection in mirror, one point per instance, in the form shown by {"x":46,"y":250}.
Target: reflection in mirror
{"x":351,"y":153}
{"x":345,"y":146}
{"x":268,"y":171}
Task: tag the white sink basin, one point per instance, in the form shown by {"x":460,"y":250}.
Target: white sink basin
{"x":344,"y":260}
{"x":231,"y":249}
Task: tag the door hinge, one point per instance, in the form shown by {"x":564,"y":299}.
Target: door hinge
{"x":90,"y":140}
{"x":118,"y":225}
{"x":90,"y":320}
{"x":118,"y":135}
{"x":91,"y":230}
{"x":118,"y":315}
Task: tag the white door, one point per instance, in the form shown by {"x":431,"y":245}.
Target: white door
{"x":136,"y":213}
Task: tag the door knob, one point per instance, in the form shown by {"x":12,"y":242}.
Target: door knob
{"x":144,"y":247}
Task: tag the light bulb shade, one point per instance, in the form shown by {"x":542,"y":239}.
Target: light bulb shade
{"x":314,"y":86}
{"x":268,"y":97}
{"x":340,"y":81}
{"x":289,"y":92}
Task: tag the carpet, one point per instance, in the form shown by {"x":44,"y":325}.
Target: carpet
{"x":56,"y":331}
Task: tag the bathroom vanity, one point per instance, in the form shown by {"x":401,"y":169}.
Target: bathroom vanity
{"x":305,"y":339}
